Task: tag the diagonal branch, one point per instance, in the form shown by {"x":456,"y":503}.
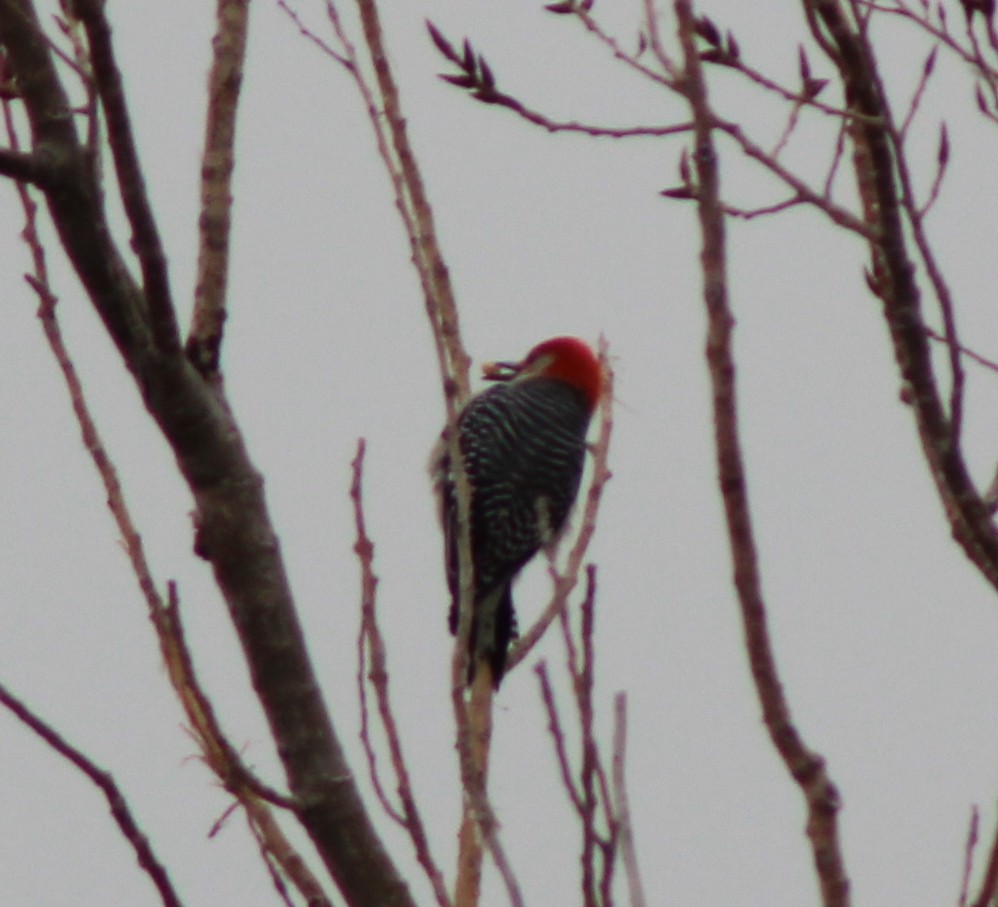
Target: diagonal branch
{"x":879,"y":178}
{"x":135,"y":198}
{"x":411,"y":195}
{"x":234,"y":529}
{"x":217,"y":752}
{"x":116,"y":801}
{"x":73,"y":197}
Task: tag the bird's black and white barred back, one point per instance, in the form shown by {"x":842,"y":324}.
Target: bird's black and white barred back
{"x":523,"y":444}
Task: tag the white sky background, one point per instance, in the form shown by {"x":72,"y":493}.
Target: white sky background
{"x":885,"y":634}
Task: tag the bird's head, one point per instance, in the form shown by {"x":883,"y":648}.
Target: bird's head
{"x":565,"y":359}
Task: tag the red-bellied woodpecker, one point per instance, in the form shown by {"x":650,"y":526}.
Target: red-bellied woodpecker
{"x":523,"y":444}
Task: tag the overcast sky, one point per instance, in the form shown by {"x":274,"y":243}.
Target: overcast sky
{"x":885,"y":634}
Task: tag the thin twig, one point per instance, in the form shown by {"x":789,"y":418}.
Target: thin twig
{"x":116,"y":801}
{"x":280,"y":854}
{"x":983,"y":361}
{"x":968,"y":856}
{"x":764,"y":211}
{"x":411,"y":196}
{"x":371,"y":641}
{"x":590,"y":794}
{"x":836,"y":213}
{"x":668,"y":79}
{"x":557,"y":736}
{"x":311,"y":36}
{"x":595,"y":787}
{"x":988,"y":890}
{"x":792,"y":121}
{"x":916,"y":100}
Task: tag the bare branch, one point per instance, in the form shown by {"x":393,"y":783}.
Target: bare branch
{"x":983,"y":361}
{"x":916,"y":100}
{"x":666,"y":78}
{"x":280,"y":854}
{"x":590,"y":794}
{"x":622,"y":806}
{"x":371,"y":641}
{"x":414,"y":205}
{"x":806,"y":767}
{"x":234,"y":529}
{"x":478,"y":80}
{"x":989,"y":884}
{"x":116,"y":801}
{"x":557,"y":736}
{"x":24,"y":167}
{"x":217,"y":164}
{"x":311,"y":36}
{"x":968,"y":856}
{"x":145,"y":234}
{"x":805,"y":193}
{"x":765,"y":210}
{"x":879,"y":171}
{"x":479,"y":824}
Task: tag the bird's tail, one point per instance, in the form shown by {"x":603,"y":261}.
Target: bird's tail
{"x":493,"y":627}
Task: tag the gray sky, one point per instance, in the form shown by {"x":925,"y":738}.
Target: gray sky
{"x":883,"y":631}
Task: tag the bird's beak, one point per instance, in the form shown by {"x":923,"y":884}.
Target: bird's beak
{"x":501,"y":371}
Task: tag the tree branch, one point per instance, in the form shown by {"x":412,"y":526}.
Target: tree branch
{"x":894,"y":278}
{"x":806,"y":767}
{"x":217,"y":164}
{"x":131,"y":183}
{"x":371,"y":646}
{"x":234,"y":529}
{"x":622,"y":806}
{"x":116,"y":801}
{"x":24,"y":167}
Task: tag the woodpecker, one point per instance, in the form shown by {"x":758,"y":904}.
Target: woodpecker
{"x":523,"y":444}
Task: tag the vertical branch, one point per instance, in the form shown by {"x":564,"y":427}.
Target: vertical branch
{"x":806,"y":767}
{"x":591,"y":795}
{"x":217,"y":163}
{"x":371,"y":641}
{"x":622,"y":805}
{"x":474,"y":723}
{"x":582,"y":683}
{"x":474,"y":715}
